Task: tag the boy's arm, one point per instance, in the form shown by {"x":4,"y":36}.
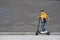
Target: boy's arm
{"x":39,"y":16}
{"x":47,"y":18}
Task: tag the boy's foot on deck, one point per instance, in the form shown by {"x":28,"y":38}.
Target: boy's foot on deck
{"x":44,"y":32}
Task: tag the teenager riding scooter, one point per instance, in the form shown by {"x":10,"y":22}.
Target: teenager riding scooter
{"x":43,"y":17}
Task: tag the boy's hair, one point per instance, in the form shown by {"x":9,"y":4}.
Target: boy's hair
{"x":42,"y":10}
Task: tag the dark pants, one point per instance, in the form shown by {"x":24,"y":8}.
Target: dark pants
{"x":43,"y":25}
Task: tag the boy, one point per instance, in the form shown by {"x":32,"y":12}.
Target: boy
{"x":43,"y":17}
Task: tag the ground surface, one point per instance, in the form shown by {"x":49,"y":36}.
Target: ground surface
{"x":29,"y":37}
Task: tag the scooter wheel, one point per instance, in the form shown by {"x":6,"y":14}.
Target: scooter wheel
{"x":36,"y":33}
{"x":48,"y":33}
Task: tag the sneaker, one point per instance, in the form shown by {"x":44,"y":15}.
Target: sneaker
{"x":44,"y":32}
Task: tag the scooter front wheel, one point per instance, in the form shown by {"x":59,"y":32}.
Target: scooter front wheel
{"x":36,"y":33}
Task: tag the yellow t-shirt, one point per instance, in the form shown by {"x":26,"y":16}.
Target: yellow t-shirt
{"x":43,"y":15}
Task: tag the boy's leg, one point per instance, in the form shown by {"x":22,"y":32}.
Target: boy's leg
{"x":43,"y":28}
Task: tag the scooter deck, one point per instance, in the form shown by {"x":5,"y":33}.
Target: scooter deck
{"x":48,"y":33}
{"x":38,"y":32}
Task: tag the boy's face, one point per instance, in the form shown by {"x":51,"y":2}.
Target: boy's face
{"x":41,"y":12}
